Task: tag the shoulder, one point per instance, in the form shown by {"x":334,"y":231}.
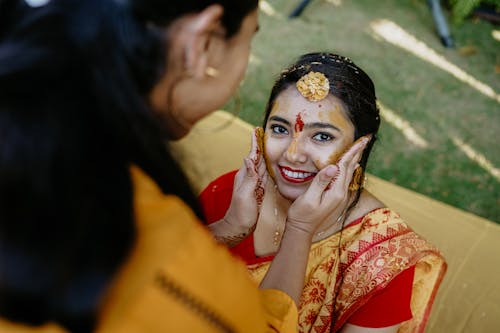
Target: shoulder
{"x":176,"y":265}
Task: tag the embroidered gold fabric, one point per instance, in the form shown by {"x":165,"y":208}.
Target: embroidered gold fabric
{"x":373,"y":252}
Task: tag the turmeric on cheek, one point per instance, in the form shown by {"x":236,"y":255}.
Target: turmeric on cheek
{"x":332,"y":159}
{"x":319,"y":165}
{"x":268,"y":164}
{"x":335,"y":157}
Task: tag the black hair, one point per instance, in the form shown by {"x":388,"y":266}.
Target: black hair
{"x":162,"y":12}
{"x":74,"y":76}
{"x":348,"y":82}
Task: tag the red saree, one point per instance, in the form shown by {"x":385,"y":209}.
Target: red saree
{"x":340,"y":281}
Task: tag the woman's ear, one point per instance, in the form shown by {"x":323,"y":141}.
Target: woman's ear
{"x":199,"y":30}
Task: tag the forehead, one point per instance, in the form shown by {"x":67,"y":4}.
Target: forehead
{"x":289,"y":103}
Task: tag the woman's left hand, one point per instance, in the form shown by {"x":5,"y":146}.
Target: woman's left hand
{"x":248,"y":193}
{"x":248,"y":190}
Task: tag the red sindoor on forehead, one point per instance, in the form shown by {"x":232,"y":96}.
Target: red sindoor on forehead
{"x":299,"y":124}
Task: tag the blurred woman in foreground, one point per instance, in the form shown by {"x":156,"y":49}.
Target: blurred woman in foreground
{"x":99,"y":229}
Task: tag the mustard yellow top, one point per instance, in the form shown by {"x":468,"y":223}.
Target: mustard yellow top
{"x":178,"y":279}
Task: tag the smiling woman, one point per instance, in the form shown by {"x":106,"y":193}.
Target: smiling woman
{"x":303,"y":137}
{"x":368,"y":271}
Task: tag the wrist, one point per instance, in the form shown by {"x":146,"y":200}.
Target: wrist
{"x":237,"y":228}
{"x":298,"y":232}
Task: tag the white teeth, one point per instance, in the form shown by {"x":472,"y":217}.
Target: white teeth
{"x":297,"y":175}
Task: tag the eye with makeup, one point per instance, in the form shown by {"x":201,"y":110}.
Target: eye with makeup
{"x":323,"y":137}
{"x":278,"y":129}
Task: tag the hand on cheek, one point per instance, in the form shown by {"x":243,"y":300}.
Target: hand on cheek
{"x":328,"y":194}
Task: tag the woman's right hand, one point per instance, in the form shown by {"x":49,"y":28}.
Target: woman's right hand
{"x":328,"y":194}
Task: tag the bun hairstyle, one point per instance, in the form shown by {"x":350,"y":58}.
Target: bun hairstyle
{"x":347,"y":82}
{"x":74,"y":76}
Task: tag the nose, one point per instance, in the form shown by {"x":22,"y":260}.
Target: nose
{"x":295,"y":151}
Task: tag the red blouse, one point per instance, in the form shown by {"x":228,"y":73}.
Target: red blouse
{"x":389,"y":307}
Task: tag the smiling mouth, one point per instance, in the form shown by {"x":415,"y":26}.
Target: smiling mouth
{"x":296,"y":176}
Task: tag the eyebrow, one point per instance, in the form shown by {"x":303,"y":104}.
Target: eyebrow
{"x":322,"y":125}
{"x":280,"y":120}
{"x":308,"y":125}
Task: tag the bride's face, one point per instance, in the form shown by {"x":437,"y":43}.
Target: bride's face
{"x":303,"y":137}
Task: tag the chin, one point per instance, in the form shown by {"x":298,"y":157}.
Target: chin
{"x":291,"y":194}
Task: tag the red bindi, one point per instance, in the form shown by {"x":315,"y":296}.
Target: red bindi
{"x":299,"y":124}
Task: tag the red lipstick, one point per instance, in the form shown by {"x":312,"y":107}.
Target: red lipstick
{"x":296,"y":176}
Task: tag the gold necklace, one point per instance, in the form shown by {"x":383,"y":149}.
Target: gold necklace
{"x":277,"y":232}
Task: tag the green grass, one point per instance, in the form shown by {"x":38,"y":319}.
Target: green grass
{"x":436,"y":104}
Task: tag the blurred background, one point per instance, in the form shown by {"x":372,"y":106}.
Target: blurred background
{"x":440,"y":106}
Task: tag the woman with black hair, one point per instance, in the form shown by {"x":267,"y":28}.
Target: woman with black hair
{"x":99,"y":229}
{"x":367,"y":270}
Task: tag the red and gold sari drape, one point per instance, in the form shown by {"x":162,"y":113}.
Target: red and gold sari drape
{"x":348,"y":268}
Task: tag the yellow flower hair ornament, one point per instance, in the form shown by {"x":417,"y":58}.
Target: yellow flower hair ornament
{"x":314,"y":86}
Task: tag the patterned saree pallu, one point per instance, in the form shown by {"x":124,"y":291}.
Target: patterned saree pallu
{"x":372,"y":253}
